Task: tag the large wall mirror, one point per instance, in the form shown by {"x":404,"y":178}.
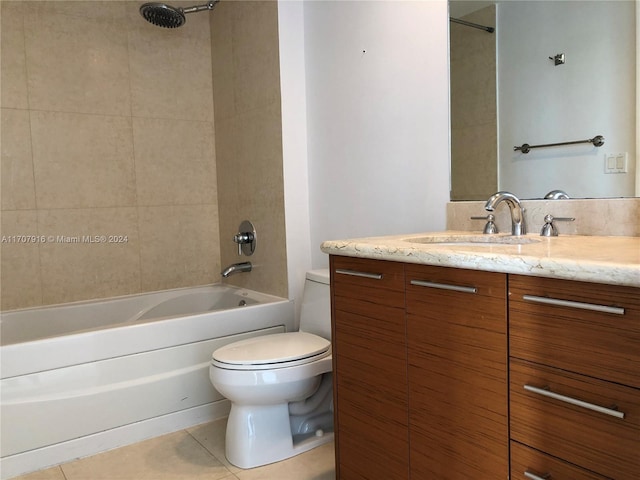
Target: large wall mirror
{"x":550,"y":72}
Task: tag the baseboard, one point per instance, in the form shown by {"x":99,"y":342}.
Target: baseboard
{"x":63,"y":452}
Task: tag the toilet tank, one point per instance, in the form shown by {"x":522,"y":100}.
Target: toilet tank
{"x":315,"y":314}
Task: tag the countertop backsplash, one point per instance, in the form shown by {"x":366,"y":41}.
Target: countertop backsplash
{"x":608,"y":217}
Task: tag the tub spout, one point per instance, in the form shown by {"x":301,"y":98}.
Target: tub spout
{"x":236,"y":268}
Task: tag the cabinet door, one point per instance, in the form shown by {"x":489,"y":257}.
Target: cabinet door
{"x":370,"y":373}
{"x":457,"y":347}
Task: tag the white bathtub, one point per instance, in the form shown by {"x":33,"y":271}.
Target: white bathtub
{"x":85,"y":377}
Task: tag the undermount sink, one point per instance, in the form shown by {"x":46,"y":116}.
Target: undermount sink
{"x":474,"y":240}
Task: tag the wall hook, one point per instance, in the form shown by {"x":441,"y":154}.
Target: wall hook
{"x":558,"y":59}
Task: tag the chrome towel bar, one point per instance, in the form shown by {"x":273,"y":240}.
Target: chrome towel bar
{"x":471,"y":24}
{"x":597,"y":141}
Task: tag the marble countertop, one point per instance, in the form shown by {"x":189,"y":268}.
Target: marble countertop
{"x":611,"y":260}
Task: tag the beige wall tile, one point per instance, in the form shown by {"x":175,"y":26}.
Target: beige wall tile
{"x":603,"y":216}
{"x":249,"y":140}
{"x":18,"y":190}
{"x":474,"y":141}
{"x":256,"y":64}
{"x":81,"y":270}
{"x":175,"y":162}
{"x":251,"y":188}
{"x":171,"y":69}
{"x":13,"y":70}
{"x":474,"y":174}
{"x":76,"y":63}
{"x":82,"y":160}
{"x":104,"y":84}
{"x":258,"y":166}
{"x":114,"y":11}
{"x":21,"y":282}
{"x":222,"y":61}
{"x":179,"y":246}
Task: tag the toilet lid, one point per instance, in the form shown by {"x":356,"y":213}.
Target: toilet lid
{"x":272,"y":351}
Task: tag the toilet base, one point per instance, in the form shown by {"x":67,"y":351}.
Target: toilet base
{"x":259,"y":435}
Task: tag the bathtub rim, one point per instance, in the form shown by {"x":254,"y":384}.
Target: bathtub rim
{"x":31,"y":357}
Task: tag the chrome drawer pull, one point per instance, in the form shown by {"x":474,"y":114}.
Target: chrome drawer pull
{"x":444,"y":286}
{"x":574,"y":401}
{"x":533,"y":476}
{"x":355,"y":273}
{"x":569,"y":303}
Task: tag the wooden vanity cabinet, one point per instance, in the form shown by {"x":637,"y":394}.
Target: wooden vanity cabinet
{"x":574,"y":379}
{"x":426,"y":388}
{"x":420,"y":371}
{"x":369,"y":369}
{"x":457,"y":354}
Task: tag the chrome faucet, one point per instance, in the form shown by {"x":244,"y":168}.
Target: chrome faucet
{"x":236,"y":268}
{"x":517,"y":212}
{"x":556,"y":195}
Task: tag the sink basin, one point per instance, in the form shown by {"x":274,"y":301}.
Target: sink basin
{"x":474,"y":240}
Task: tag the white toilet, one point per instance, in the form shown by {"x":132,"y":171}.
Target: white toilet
{"x":280,"y":386}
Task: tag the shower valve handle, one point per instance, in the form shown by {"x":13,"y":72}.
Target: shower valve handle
{"x":243,"y":237}
{"x":246,"y":238}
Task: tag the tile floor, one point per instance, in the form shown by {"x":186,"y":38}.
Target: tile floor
{"x":194,"y":453}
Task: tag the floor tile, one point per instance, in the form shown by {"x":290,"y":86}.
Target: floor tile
{"x":316,"y":464}
{"x":211,"y":436}
{"x":195,"y":453}
{"x":53,"y":473}
{"x":169,"y":457}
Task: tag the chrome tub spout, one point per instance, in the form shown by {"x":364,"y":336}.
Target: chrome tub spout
{"x":236,"y":268}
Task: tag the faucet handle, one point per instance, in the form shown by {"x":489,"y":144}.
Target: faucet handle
{"x":490,"y":227}
{"x":246,"y":238}
{"x":549,"y":229}
{"x":243,"y":238}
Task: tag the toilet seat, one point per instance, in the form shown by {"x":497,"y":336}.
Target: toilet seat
{"x":280,"y":350}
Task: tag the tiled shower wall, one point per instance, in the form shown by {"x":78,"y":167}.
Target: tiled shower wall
{"x":107,"y":130}
{"x":474,"y":127}
{"x":246,"y":91}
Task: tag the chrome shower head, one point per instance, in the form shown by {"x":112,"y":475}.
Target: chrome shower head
{"x":167,"y":16}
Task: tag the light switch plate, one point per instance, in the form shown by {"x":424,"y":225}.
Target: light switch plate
{"x":615,"y":163}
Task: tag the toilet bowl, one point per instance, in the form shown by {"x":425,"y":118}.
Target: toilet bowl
{"x":280,"y":385}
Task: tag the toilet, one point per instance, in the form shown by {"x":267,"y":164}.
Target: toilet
{"x":280,"y":385}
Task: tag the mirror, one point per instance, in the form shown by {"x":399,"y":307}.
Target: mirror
{"x":551,"y":72}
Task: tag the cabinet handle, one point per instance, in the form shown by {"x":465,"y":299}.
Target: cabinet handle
{"x":444,"y":286}
{"x":533,"y":476}
{"x":574,"y":401}
{"x":569,"y":303}
{"x":355,"y":273}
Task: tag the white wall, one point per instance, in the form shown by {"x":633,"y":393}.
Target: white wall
{"x":377,"y":118}
{"x":541,"y":103}
{"x":294,"y":145}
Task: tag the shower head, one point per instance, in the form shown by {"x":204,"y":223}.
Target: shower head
{"x":167,"y":16}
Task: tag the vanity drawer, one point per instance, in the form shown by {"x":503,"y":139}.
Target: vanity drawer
{"x":546,"y":416}
{"x":372,"y":281}
{"x":530,"y":464}
{"x":589,"y":328}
